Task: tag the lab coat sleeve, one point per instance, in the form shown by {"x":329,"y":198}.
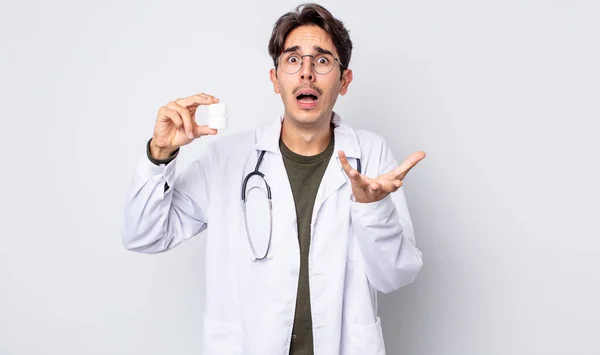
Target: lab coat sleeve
{"x":385,"y":236}
{"x":156,"y":220}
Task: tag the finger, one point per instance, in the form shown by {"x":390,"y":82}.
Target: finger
{"x":401,"y":171}
{"x":204,"y":131}
{"x":167,"y":114}
{"x":391,"y":186}
{"x":345,"y":165}
{"x":188,"y":123}
{"x":375,"y":187}
{"x":350,"y":171}
{"x":356,"y":178}
{"x":196,"y":100}
{"x":379,"y":187}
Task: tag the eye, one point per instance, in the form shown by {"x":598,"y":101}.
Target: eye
{"x":292,"y":59}
{"x":322,"y":60}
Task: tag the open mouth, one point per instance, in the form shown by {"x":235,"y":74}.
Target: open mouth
{"x":307,"y":98}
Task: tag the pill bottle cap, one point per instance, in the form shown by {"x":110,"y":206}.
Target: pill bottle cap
{"x":219,"y":109}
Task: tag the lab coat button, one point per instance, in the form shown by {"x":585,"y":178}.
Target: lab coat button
{"x":294,"y":272}
{"x":288,"y":323}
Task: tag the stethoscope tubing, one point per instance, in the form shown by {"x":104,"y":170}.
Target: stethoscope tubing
{"x":244,"y":211}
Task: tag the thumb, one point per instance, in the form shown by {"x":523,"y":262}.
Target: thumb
{"x":200,"y":131}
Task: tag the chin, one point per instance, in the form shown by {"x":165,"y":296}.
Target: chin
{"x":307,"y":117}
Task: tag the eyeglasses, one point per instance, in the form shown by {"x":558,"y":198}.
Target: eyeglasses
{"x":291,"y":62}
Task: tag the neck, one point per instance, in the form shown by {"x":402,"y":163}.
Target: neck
{"x":306,"y":141}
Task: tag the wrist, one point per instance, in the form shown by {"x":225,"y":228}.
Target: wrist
{"x":362,"y":198}
{"x":160,"y":153}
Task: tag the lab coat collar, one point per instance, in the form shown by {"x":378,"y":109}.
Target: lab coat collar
{"x":345,"y":137}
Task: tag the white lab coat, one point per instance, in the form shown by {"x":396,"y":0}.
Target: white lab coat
{"x":356,"y":249}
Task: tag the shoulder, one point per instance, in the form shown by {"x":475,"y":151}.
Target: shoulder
{"x":367,"y":140}
{"x":368,"y":137}
{"x":234,"y":147}
{"x":242,"y":140}
{"x":375,"y":152}
{"x":370,"y":142}
{"x":234,"y":142}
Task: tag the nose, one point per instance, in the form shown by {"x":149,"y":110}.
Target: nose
{"x":306,"y":71}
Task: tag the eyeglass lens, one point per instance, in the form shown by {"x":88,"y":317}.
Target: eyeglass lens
{"x":292,"y":62}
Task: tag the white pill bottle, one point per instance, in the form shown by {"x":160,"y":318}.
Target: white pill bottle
{"x":217,"y":116}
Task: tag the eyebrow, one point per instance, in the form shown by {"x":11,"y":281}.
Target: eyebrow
{"x":316,"y":48}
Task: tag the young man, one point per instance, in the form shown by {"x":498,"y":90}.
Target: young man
{"x":339,"y":227}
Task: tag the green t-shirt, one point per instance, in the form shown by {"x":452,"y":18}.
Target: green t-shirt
{"x":305,"y":174}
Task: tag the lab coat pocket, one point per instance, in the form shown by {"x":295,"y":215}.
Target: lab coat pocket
{"x":221,"y":338}
{"x":366,"y":339}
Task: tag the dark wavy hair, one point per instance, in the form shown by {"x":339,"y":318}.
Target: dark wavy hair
{"x":311,"y":15}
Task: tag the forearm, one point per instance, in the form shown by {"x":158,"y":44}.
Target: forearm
{"x":385,"y":238}
{"x":159,"y":214}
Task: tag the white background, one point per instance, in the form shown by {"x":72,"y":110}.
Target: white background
{"x":503,"y":96}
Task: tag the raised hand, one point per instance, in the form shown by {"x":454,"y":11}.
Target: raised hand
{"x":367,"y":189}
{"x":176,"y":125}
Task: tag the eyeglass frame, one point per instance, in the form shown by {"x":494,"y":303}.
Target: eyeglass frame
{"x":311,"y":61}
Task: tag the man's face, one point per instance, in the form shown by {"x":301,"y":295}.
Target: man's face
{"x":297,"y":90}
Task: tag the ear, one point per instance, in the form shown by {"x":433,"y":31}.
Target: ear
{"x":346,"y":80}
{"x":273,"y":75}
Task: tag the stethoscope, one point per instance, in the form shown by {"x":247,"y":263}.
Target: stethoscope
{"x":262,"y":176}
